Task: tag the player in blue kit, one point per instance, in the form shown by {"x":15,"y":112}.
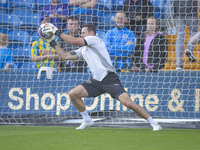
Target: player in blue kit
{"x":105,"y":79}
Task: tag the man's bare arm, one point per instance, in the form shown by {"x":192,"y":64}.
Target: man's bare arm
{"x":45,"y":57}
{"x":66,"y":55}
{"x":73,"y":40}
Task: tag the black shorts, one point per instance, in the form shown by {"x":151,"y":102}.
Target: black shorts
{"x":110,"y":84}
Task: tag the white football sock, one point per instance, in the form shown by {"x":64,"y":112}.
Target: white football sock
{"x":85,"y":116}
{"x":151,"y":121}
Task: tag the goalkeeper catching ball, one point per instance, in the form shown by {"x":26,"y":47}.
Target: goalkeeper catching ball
{"x":105,"y":79}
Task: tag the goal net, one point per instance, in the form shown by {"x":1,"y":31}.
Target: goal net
{"x":35,"y":91}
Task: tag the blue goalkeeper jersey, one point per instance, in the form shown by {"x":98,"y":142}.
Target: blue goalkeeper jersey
{"x":116,"y":39}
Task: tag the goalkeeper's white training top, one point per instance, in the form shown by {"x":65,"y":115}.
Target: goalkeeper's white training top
{"x":96,"y":55}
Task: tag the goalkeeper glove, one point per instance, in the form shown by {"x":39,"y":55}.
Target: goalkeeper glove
{"x":51,"y":41}
{"x":51,"y":38}
{"x":50,"y":28}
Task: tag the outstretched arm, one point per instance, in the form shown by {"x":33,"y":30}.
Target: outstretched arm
{"x":50,"y":28}
{"x":66,"y":55}
{"x":72,"y":40}
{"x":45,"y":57}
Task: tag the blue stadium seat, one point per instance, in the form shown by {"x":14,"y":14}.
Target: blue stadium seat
{"x":34,"y":37}
{"x":22,"y":13}
{"x":21,"y":55}
{"x":3,"y":11}
{"x":106,"y":22}
{"x":107,"y":17}
{"x":42,"y":3}
{"x":22,"y":51}
{"x":27,"y":67}
{"x":5,"y":6}
{"x":25,"y":4}
{"x":18,"y":38}
{"x":64,"y":1}
{"x":4,"y":30}
{"x":105,"y":27}
{"x":105,"y":4}
{"x":100,"y":34}
{"x":159,"y":8}
{"x":9,"y":22}
{"x":118,"y":4}
{"x":30,"y":24}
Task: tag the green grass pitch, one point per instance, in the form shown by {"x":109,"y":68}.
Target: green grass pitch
{"x":96,"y":138}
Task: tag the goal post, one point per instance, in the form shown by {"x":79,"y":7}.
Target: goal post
{"x":171,"y":97}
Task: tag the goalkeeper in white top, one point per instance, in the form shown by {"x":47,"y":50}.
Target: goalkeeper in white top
{"x":94,"y":52}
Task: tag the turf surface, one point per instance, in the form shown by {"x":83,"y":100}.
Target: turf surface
{"x":67,"y":138}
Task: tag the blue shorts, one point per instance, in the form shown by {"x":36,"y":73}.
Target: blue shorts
{"x":110,"y":84}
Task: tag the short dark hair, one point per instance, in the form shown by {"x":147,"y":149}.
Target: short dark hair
{"x":74,"y":18}
{"x":90,"y":27}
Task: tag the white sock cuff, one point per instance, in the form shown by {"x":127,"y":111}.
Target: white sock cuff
{"x":85,"y":116}
{"x":84,"y":112}
{"x":151,"y":121}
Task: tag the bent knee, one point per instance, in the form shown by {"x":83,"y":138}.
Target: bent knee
{"x":72,"y":94}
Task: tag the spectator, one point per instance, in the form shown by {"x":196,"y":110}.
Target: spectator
{"x":185,"y":13}
{"x":56,"y":13}
{"x":151,"y":49}
{"x":85,"y":10}
{"x":6,"y":58}
{"x":73,"y":26}
{"x":120,"y":41}
{"x":137,"y":11}
{"x":43,"y":54}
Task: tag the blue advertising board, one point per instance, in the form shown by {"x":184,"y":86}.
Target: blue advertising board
{"x":165,"y":94}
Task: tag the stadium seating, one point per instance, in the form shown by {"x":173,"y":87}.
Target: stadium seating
{"x":34,"y":37}
{"x":5,"y":6}
{"x":64,"y":1}
{"x":22,"y":52}
{"x":25,"y":4}
{"x":9,"y":22}
{"x":42,"y":3}
{"x":18,"y":38}
{"x":107,"y":21}
{"x":117,"y":4}
{"x":21,"y":55}
{"x":22,"y":13}
{"x":27,"y":67}
{"x":159,"y":8}
{"x":171,"y":63}
{"x":30,"y":24}
{"x":2,"y":11}
{"x":105,"y":5}
{"x":100,"y":34}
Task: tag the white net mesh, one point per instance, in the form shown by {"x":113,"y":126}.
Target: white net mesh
{"x":170,"y":94}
